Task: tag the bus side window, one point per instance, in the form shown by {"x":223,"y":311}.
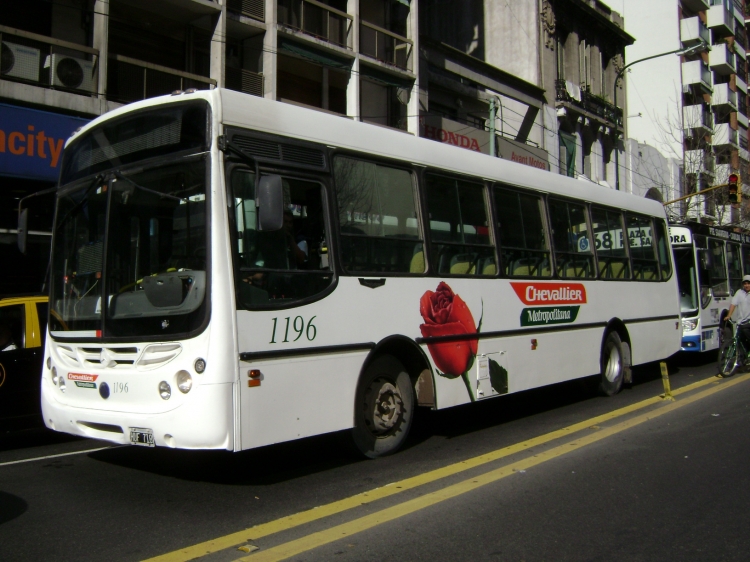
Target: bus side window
{"x":718,"y":268}
{"x":523,"y":240}
{"x":663,"y":249}
{"x":609,"y":241}
{"x":459,"y":227}
{"x":571,"y":240}
{"x":377,"y":213}
{"x":735,"y":267}
{"x":641,"y":243}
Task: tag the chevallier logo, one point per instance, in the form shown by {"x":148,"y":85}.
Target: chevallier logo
{"x":550,"y":303}
{"x":82,"y":377}
{"x":550,"y":293}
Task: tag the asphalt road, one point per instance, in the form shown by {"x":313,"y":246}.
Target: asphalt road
{"x":552,"y":474}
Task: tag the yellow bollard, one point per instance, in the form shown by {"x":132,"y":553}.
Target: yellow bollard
{"x":665,"y":379}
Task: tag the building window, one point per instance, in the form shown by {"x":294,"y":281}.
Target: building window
{"x":567,"y":154}
{"x":383,"y":104}
{"x":311,"y":84}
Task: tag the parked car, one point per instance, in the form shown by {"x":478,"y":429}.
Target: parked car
{"x":23,"y":324}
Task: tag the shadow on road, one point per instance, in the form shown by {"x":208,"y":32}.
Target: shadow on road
{"x":11,"y":507}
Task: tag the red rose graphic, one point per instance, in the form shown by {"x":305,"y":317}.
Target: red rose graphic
{"x":445,"y":314}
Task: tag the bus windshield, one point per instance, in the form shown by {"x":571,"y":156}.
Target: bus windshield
{"x":129,"y":244}
{"x":686,"y":279}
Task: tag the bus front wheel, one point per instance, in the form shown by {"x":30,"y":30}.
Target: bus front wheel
{"x":612,"y":365}
{"x":384,"y":408}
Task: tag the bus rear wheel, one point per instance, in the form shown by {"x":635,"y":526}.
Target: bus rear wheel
{"x":612,"y":365}
{"x":384,"y":408}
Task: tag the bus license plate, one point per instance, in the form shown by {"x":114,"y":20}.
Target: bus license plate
{"x":141,"y":436}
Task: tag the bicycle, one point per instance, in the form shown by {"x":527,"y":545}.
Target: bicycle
{"x":732,"y":353}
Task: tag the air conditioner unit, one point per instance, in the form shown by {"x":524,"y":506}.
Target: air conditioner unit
{"x":71,"y":72}
{"x":19,"y":61}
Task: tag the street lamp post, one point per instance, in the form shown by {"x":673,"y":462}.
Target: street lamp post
{"x":702,"y":47}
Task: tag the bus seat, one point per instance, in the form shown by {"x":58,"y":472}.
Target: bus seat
{"x":462,"y":264}
{"x":544,"y":269}
{"x":417,"y":262}
{"x":489,"y":267}
{"x":648,"y":273}
{"x":526,"y":267}
{"x":618,"y":270}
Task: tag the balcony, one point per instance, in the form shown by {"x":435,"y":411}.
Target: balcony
{"x":699,"y":162}
{"x":246,"y":81}
{"x":721,"y":17}
{"x":724,"y":136}
{"x":131,"y":80}
{"x":250,"y":8}
{"x":722,"y":60}
{"x":724,"y":98}
{"x":696,"y":5}
{"x":742,"y":120}
{"x":696,"y":73}
{"x":594,"y":106}
{"x":693,"y":32}
{"x":385,"y":46}
{"x":740,"y":83}
{"x":46,"y":62}
{"x":739,"y":50}
{"x":318,"y":20}
{"x":696,"y":120}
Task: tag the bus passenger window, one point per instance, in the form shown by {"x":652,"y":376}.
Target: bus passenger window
{"x":663,"y":249}
{"x":459,"y":228}
{"x":524,"y":251}
{"x":641,"y":242}
{"x":611,"y":251}
{"x":276,"y":267}
{"x":571,"y":240}
{"x":735,"y":267}
{"x":377,"y":214}
{"x":718,"y":268}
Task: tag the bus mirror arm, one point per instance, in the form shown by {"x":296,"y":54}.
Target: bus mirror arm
{"x":23,"y":218}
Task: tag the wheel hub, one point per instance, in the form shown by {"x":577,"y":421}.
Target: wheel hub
{"x":383,"y":407}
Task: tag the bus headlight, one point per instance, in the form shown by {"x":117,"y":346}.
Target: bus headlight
{"x":689,"y":324}
{"x":200,"y":365}
{"x":184,"y":381}
{"x":61,"y":383}
{"x":54,"y":375}
{"x":165,"y":391}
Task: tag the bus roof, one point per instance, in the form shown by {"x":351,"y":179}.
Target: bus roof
{"x":268,"y":116}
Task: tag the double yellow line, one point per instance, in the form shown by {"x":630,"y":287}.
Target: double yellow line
{"x":314,"y":540}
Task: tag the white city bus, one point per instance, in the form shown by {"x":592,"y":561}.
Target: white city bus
{"x":230,"y":272}
{"x":710,"y":262}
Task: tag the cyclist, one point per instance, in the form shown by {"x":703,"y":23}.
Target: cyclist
{"x":741,"y":302}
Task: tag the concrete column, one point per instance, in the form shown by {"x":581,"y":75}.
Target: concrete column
{"x":219,"y":47}
{"x":412,"y":108}
{"x":270,"y":49}
{"x":353,"y":108}
{"x":101,"y":43}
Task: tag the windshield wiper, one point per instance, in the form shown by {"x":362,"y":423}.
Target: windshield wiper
{"x":97,"y":181}
{"x":119,"y":176}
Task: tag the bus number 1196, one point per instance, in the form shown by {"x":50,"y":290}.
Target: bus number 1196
{"x":298,"y":327}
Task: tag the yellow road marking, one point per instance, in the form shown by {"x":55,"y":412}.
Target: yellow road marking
{"x":294,"y":520}
{"x":315,"y":540}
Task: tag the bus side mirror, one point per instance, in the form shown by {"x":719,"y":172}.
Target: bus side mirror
{"x":23,"y":223}
{"x":705,"y":259}
{"x":270,"y":202}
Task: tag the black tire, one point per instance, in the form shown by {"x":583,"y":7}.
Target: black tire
{"x":612,"y":367}
{"x":383,"y":409}
{"x":728,"y":359}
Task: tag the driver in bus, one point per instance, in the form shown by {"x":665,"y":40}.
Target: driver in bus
{"x":741,"y":302}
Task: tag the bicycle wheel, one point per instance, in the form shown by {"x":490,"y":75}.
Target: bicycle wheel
{"x":728,"y":359}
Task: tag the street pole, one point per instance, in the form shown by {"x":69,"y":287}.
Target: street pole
{"x":702,"y":47}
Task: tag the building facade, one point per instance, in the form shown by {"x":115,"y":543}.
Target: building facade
{"x":531,"y":81}
{"x":693,"y":108}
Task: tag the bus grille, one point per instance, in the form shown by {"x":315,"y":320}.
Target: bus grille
{"x":113,"y":357}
